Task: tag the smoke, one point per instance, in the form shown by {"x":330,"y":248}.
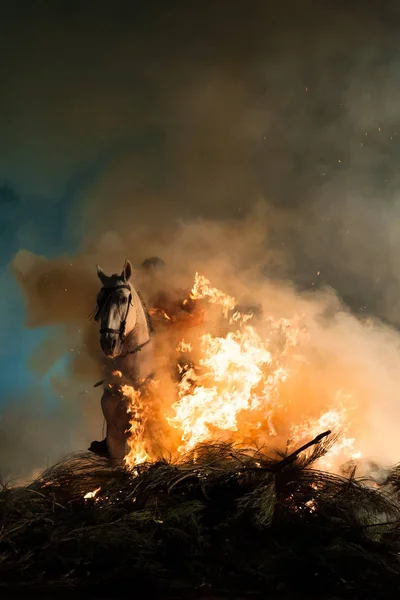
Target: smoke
{"x":196,"y":113}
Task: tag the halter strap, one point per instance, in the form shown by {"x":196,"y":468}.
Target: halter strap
{"x":116,"y":287}
{"x":121,"y":330}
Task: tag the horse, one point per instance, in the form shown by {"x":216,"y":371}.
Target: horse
{"x":126,"y":339}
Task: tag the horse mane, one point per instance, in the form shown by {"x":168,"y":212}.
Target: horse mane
{"x":146,"y":312}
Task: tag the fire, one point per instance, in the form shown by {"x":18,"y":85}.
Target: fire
{"x":136,"y":408}
{"x":238,"y":376}
{"x":159,"y":311}
{"x":232,"y":370}
{"x":202,"y":289}
{"x":234,"y":387}
{"x":336,"y":419}
{"x":92,"y":494}
{"x":184,"y":347}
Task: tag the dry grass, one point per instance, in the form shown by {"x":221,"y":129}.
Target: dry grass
{"x":222,"y":520}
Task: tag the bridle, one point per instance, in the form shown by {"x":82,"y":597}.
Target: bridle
{"x":107,"y":291}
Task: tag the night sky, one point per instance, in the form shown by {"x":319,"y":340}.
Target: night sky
{"x":186,"y":109}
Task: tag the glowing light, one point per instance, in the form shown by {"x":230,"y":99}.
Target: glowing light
{"x":137,"y":453}
{"x":235,"y":391}
{"x":92,"y":494}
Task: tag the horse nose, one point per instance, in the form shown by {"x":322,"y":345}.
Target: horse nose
{"x":108,"y":345}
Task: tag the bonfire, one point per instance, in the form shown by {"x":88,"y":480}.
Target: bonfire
{"x":232,"y":387}
{"x":251,"y":501}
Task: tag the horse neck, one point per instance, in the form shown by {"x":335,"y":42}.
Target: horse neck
{"x":140,"y":365}
{"x":140,"y":331}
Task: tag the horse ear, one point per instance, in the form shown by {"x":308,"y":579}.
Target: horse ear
{"x":102,"y":276}
{"x":127,"y":271}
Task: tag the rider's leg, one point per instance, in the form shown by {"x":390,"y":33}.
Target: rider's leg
{"x":117,"y":420}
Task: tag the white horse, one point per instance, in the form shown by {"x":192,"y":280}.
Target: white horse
{"x":127,"y":343}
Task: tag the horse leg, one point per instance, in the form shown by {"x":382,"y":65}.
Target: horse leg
{"x":117,"y":420}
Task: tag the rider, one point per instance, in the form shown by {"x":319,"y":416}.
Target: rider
{"x":173,"y":307}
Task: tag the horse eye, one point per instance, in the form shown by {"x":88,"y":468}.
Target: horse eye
{"x":123,"y":300}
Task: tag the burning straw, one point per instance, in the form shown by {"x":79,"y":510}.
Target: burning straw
{"x":221,"y":519}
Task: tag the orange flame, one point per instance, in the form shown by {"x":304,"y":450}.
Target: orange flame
{"x":335,"y":419}
{"x":202,"y":289}
{"x":238,"y":384}
{"x":159,"y":311}
{"x":137,"y":445}
{"x":236,"y":390}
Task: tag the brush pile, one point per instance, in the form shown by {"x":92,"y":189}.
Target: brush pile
{"x":220,"y":521}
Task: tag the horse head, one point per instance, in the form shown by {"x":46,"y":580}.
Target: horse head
{"x":116,"y":312}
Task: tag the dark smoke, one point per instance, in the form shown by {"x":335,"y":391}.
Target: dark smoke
{"x":195,"y":112}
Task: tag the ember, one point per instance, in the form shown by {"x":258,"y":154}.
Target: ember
{"x":90,"y":495}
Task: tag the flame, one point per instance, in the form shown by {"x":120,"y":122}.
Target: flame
{"x":236,"y":377}
{"x":136,"y":443}
{"x":202,"y":289}
{"x":159,"y":311}
{"x":234,"y":388}
{"x":92,"y":494}
{"x":337,"y":419}
{"x":232,"y":369}
{"x":184,"y":347}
